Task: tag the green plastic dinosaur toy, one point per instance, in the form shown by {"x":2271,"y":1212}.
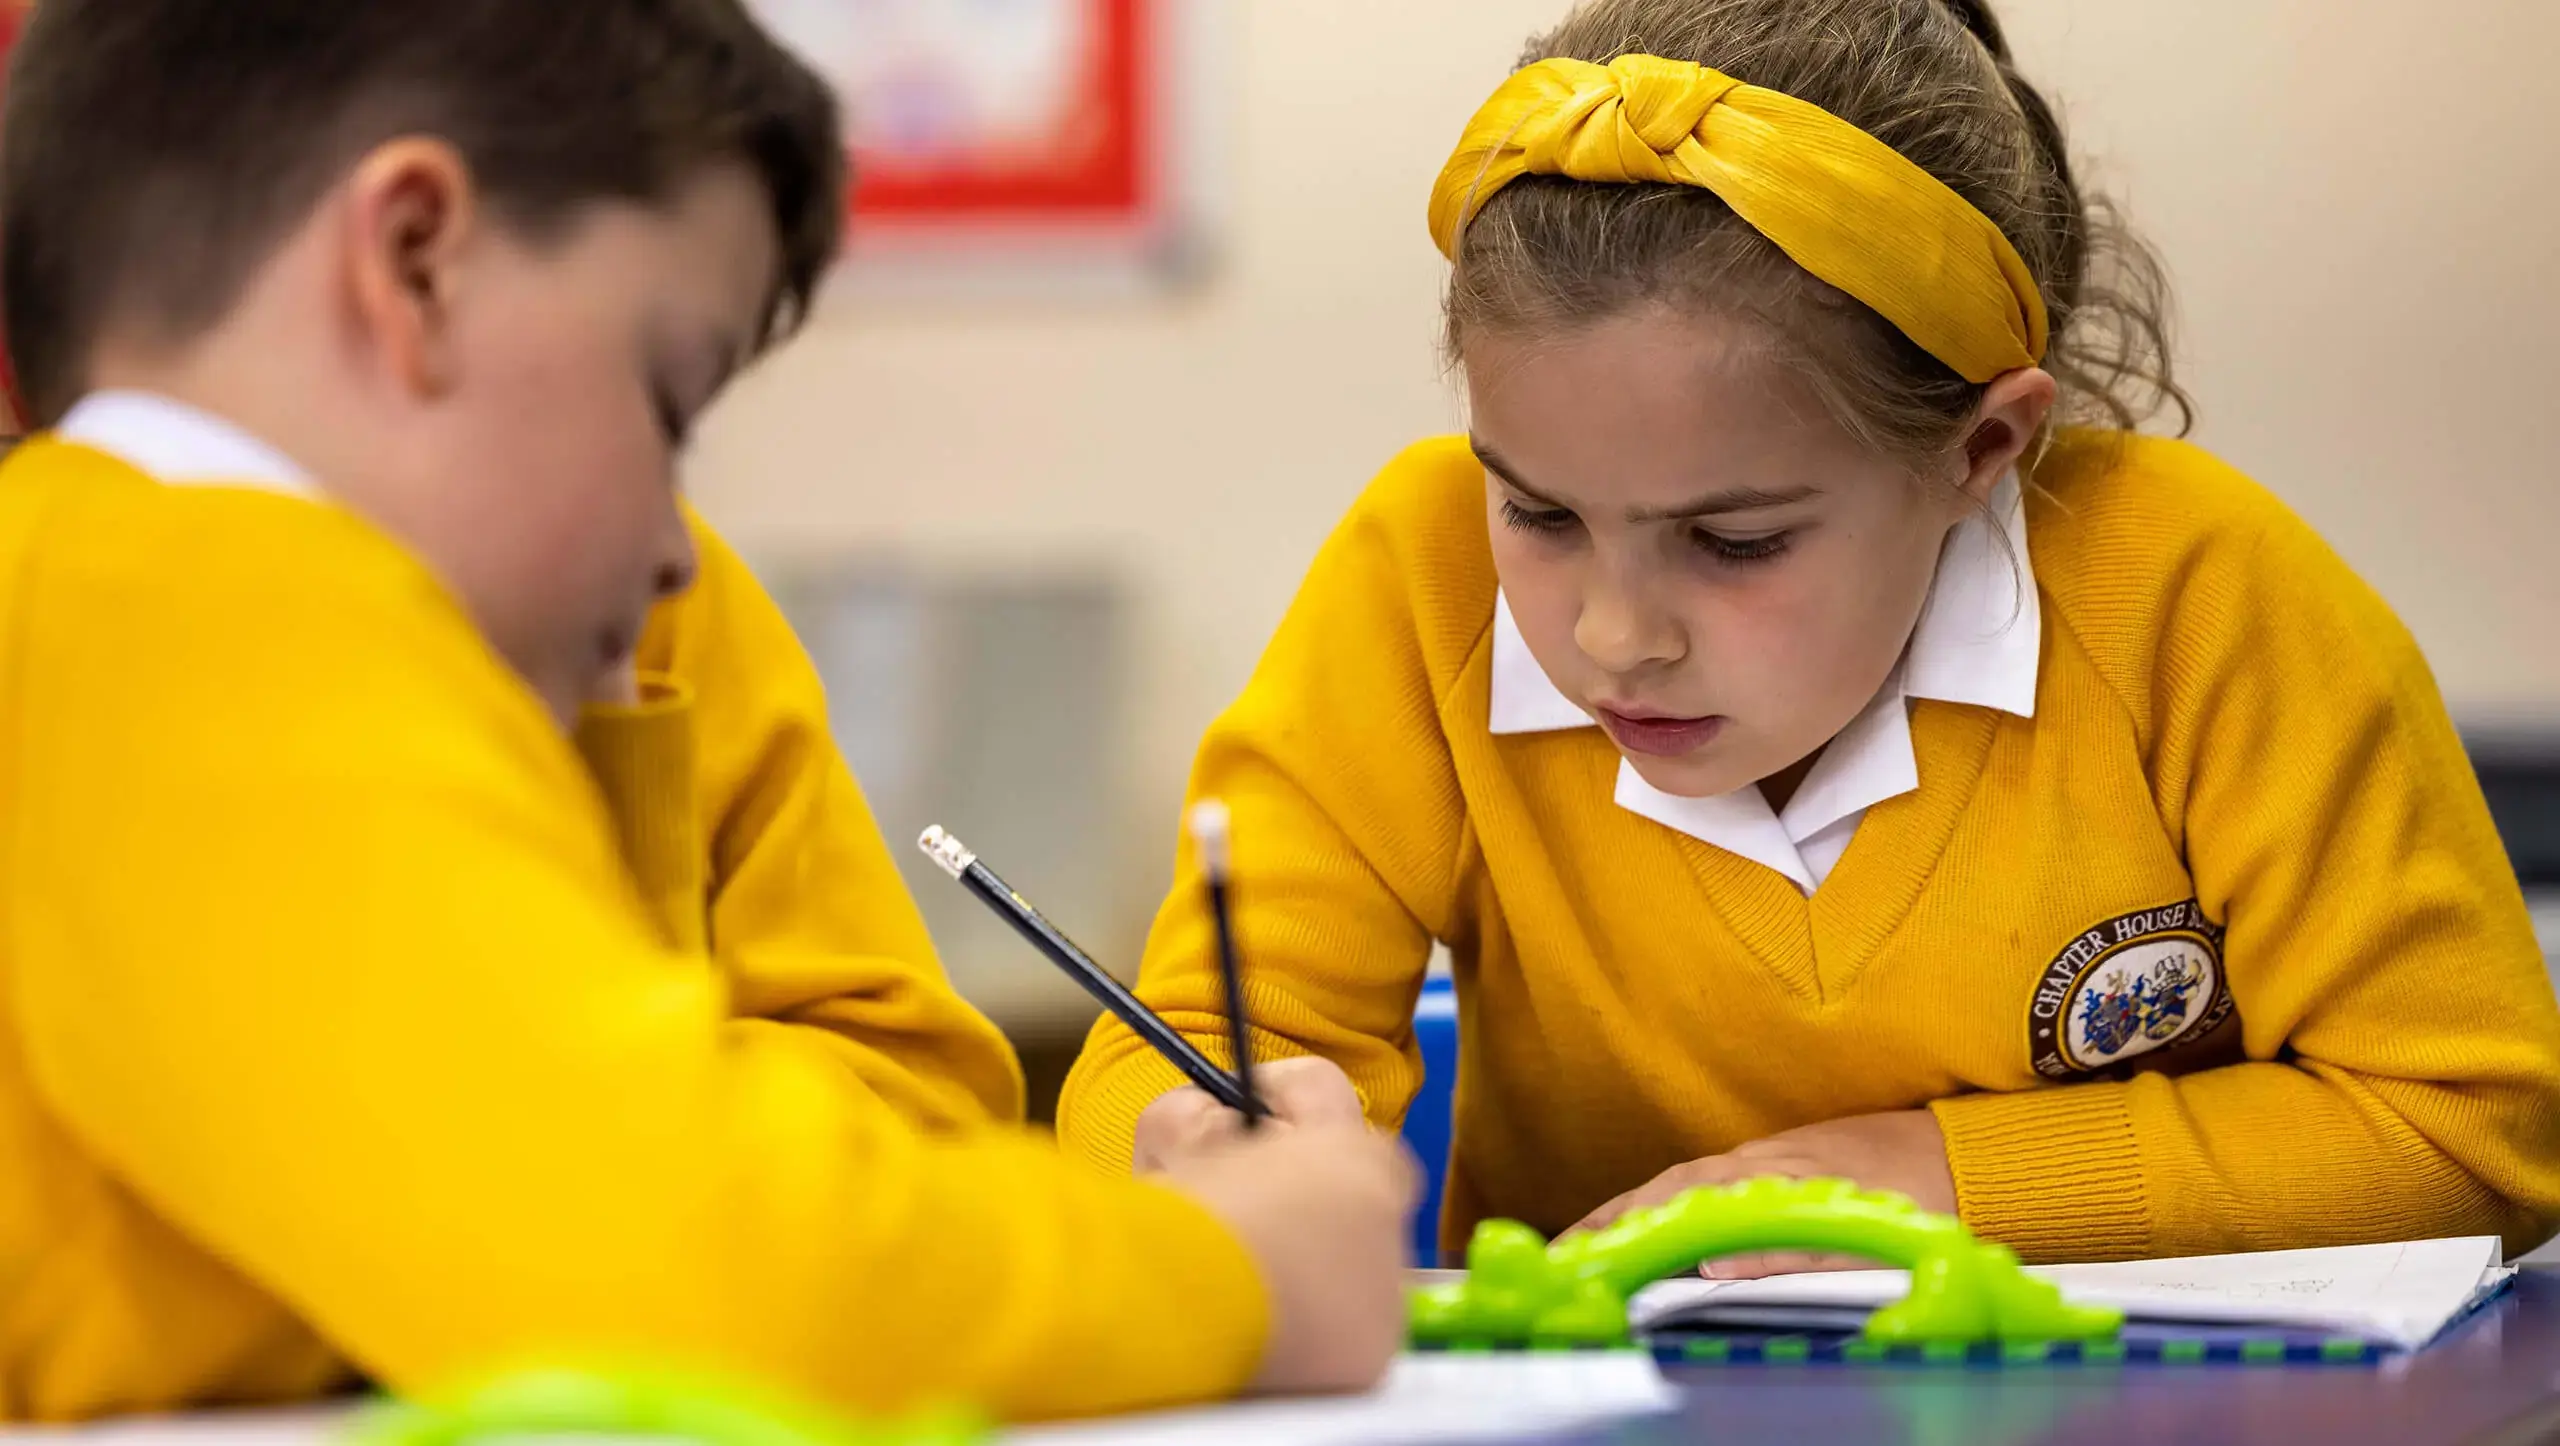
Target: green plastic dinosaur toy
{"x":642,"y":1403}
{"x":1520,"y":1290}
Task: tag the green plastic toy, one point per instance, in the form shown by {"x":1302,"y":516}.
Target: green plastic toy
{"x":644,"y":1403}
{"x":1520,"y":1290}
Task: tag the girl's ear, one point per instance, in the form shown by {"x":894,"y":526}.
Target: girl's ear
{"x":2013,"y":412}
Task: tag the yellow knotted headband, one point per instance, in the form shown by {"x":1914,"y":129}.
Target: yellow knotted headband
{"x":1844,"y":205}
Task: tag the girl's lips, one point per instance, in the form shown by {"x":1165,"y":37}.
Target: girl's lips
{"x":1660,"y":737}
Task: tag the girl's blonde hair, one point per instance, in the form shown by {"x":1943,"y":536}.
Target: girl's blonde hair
{"x":1931,"y":78}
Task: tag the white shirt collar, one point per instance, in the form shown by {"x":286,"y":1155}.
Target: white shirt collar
{"x":1979,"y":641}
{"x":181,"y":445}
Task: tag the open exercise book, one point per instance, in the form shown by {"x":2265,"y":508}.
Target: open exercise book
{"x":2402,"y":1296}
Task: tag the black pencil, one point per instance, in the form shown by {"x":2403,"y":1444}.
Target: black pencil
{"x":957,"y":861}
{"x":1209,"y":830}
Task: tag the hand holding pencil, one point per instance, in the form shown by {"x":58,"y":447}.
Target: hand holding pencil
{"x":1323,"y":1211}
{"x":1320,"y":1206}
{"x":1306,"y":1093}
{"x":1298,"y":1091}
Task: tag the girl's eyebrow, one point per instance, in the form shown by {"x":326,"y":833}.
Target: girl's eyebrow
{"x":1732,"y":499}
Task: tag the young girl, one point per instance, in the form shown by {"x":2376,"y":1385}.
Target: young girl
{"x":2014,"y":812}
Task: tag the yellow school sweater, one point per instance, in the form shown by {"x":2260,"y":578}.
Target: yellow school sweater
{"x":751,"y":838}
{"x":334,"y":1033}
{"x":2217,"y":952}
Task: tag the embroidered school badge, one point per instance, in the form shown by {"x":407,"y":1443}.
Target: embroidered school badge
{"x":2131,"y":986}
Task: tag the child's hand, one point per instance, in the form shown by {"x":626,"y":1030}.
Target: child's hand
{"x":1904,"y":1152}
{"x":1322,"y":1207}
{"x":1303,"y":1092}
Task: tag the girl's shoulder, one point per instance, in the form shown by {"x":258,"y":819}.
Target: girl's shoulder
{"x":2113,"y":517}
{"x":2153,"y":552}
{"x":1413,"y":554}
{"x":2090,"y":482}
{"x":1430,"y":494}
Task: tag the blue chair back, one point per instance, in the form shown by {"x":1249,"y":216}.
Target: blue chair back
{"x":1427,"y":1124}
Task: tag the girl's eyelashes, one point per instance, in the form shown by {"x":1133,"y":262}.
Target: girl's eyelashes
{"x":1545,"y":522}
{"x":1741,"y":550}
{"x":1737,"y":551}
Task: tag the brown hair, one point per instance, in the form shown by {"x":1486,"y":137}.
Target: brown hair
{"x":156,"y":152}
{"x":1931,"y":78}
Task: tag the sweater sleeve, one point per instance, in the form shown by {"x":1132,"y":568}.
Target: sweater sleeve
{"x":2402,"y":1042}
{"x":1347,"y":829}
{"x":802,"y":902}
{"x":394,"y":1036}
{"x":641,"y":754}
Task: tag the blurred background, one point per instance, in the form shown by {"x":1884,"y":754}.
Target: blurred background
{"x":1142,"y":297}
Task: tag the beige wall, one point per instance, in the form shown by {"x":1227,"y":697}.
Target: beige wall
{"x":2361,"y":203}
{"x":2358,"y":198}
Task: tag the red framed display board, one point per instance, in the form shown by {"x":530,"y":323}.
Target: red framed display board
{"x":994,"y":120}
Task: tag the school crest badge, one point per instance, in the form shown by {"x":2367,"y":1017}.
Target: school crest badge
{"x":2134,"y":985}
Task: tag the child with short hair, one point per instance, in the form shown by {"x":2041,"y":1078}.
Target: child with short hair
{"x":349,"y":1026}
{"x":1828,"y":742}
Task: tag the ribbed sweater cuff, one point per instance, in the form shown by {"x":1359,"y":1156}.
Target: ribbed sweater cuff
{"x":2053,"y":1174}
{"x":1103,"y":1127}
{"x":642,"y":755}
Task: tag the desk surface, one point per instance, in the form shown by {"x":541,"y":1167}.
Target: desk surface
{"x":2472,"y":1389}
{"x":2495,"y":1381}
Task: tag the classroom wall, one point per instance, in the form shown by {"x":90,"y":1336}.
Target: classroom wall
{"x":2357,"y":197}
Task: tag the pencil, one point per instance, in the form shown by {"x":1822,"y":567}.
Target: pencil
{"x":957,"y":861}
{"x":1209,"y":829}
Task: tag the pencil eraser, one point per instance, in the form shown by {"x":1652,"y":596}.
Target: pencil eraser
{"x":947,"y":851}
{"x":1209,"y":830}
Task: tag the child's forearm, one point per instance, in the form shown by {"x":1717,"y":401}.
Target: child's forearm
{"x":796,"y":893}
{"x":895,"y":1025}
{"x":818,"y":934}
{"x":2250,"y":1157}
